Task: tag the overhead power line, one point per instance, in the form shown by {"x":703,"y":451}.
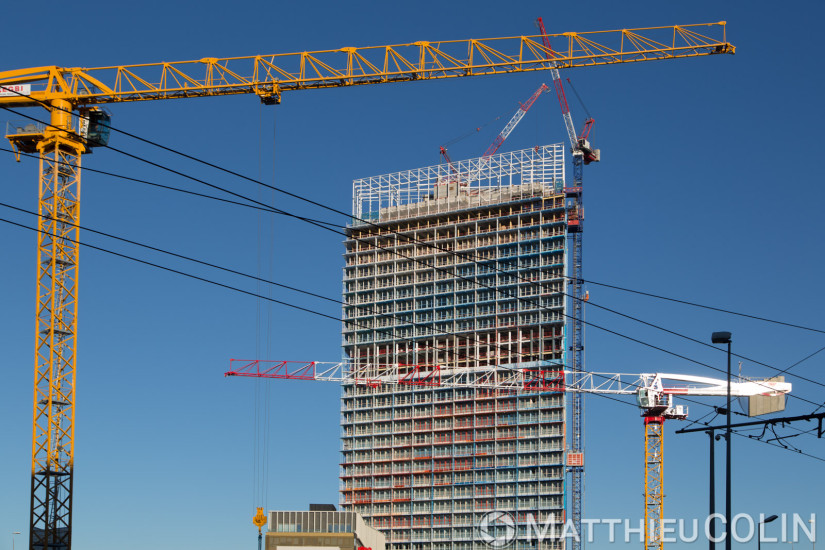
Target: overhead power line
{"x":258,"y":207}
{"x":256,"y":278}
{"x":398,"y":234}
{"x":588,"y":281}
{"x":704,"y":306}
{"x":315,"y":312}
{"x":237,"y":289}
{"x":467,"y":257}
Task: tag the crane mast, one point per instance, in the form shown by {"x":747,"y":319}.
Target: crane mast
{"x":55,"y":348}
{"x":63,"y":92}
{"x":60,"y":146}
{"x":575,"y":218}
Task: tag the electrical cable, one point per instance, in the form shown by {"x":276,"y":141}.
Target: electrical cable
{"x":239,"y":273}
{"x":464,"y":256}
{"x":257,"y":295}
{"x":331,"y":224}
{"x":182,"y":257}
{"x":340,"y":212}
{"x":335,"y":210}
{"x":177,"y":189}
{"x":300,"y":308}
{"x":261,"y":280}
{"x":797,"y":451}
{"x":253,"y":294}
{"x":198,"y":180}
{"x":802,"y":360}
{"x":399,"y":234}
{"x":700,"y":342}
{"x":270,"y":282}
{"x":702,"y":306}
{"x":431,"y":245}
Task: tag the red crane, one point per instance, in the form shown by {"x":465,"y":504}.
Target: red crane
{"x":505,"y":132}
{"x":577,"y":143}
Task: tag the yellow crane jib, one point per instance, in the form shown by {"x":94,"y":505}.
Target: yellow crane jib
{"x":268,"y":75}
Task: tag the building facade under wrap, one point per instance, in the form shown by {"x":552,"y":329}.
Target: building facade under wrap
{"x":456,"y":273}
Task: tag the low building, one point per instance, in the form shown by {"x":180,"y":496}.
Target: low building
{"x":321,"y":530}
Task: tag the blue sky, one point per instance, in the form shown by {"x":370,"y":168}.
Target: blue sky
{"x":708,"y":190}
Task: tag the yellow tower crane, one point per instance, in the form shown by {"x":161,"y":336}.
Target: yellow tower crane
{"x":76,"y":124}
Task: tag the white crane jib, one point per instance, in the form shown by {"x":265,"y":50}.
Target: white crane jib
{"x":656,"y":399}
{"x":653,"y":396}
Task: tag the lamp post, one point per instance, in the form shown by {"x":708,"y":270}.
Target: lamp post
{"x":759,"y":530}
{"x":724,"y":338}
{"x":712,"y":495}
{"x":12,"y":538}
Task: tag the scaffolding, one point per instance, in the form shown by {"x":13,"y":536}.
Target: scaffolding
{"x":463,"y":267}
{"x":464,"y":184}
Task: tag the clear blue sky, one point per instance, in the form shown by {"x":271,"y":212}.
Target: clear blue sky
{"x":708,"y":191}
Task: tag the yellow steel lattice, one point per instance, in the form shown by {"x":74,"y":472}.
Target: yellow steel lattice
{"x":269,"y":75}
{"x":654,"y":482}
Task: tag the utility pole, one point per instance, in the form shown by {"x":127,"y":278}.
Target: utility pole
{"x":725,"y":338}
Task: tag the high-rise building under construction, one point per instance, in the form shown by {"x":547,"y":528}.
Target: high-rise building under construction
{"x":457,"y":272}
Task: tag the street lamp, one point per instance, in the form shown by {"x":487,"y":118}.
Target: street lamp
{"x":759,"y":530}
{"x":12,"y":538}
{"x":724,"y":338}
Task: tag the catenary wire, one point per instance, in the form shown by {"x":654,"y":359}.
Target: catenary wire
{"x":465,"y":256}
{"x":265,"y":208}
{"x":785,"y":370}
{"x":288,"y":287}
{"x":340,"y":302}
{"x":345,"y":214}
{"x":332,"y":224}
{"x":340,"y":212}
{"x":797,"y":451}
{"x":336,"y":225}
{"x":259,"y":280}
{"x":315,"y":312}
{"x":255,"y":294}
{"x":337,"y":211}
{"x":249,"y":293}
{"x":703,"y":306}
